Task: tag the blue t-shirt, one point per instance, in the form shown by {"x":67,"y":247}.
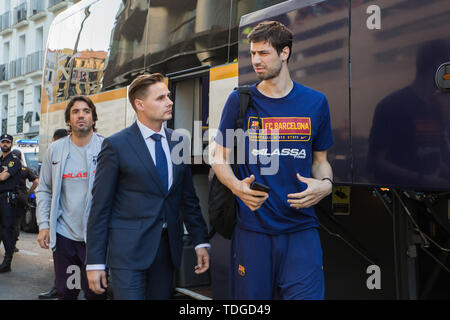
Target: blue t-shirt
{"x":280,"y":143}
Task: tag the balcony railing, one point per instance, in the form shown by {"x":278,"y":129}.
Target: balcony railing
{"x":35,"y":61}
{"x":36,"y":6}
{"x":20,"y":13}
{"x":51,"y":3}
{"x":17,"y":68}
{"x":4,"y":72}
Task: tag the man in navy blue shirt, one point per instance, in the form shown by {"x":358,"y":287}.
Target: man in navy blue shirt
{"x":276,"y":250}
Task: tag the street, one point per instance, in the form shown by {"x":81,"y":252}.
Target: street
{"x":32,"y":270}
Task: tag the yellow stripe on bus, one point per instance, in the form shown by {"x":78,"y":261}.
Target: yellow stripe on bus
{"x":96,"y":98}
{"x":224,"y":72}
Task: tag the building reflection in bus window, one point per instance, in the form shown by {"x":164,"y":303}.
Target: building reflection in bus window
{"x":59,"y":54}
{"x":100,"y":46}
{"x":127,"y":51}
{"x":187,"y":34}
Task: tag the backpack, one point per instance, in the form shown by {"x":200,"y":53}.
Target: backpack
{"x":221,"y":201}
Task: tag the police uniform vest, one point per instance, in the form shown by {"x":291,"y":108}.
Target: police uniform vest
{"x":12,"y":163}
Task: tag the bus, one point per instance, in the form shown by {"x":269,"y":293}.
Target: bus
{"x":367,"y":56}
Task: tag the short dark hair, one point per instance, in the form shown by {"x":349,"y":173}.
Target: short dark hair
{"x":88,"y":102}
{"x":273,"y":32}
{"x":60,"y":133}
{"x":138,"y":88}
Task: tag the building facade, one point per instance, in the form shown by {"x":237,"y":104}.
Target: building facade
{"x":24,"y":27}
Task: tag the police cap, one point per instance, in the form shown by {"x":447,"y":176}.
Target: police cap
{"x":6,"y":137}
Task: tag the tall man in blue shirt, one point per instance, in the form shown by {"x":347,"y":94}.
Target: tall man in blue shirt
{"x":276,"y":250}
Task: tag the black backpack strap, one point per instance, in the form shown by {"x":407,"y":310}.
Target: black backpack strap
{"x":245,"y":98}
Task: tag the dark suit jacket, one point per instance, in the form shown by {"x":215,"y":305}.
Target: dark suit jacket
{"x":128,"y":205}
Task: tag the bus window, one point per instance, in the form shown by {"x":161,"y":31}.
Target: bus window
{"x":187,"y":34}
{"x":61,"y":43}
{"x":78,"y":49}
{"x":127,"y":49}
{"x":31,"y":159}
{"x":95,"y":49}
{"x":240,"y":8}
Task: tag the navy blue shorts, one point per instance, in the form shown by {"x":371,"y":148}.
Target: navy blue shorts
{"x":266,"y":267}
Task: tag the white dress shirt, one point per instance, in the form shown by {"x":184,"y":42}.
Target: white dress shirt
{"x":147,"y":133}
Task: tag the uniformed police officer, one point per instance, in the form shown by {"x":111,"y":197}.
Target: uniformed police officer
{"x":9,"y":178}
{"x":23,"y":193}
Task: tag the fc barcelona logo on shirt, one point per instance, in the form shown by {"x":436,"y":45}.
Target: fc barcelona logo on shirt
{"x":281,"y":129}
{"x":255,"y":125}
{"x":241,"y":270}
{"x":10,"y":164}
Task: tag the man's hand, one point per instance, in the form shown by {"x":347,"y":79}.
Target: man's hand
{"x":202,"y":260}
{"x":316,"y":191}
{"x":44,"y":238}
{"x":252,"y":198}
{"x":95,"y":278}
{"x":4,"y":175}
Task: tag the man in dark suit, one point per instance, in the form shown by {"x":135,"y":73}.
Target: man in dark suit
{"x":141,"y":197}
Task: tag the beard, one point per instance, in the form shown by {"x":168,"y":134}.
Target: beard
{"x":6,"y":149}
{"x":270,"y":72}
{"x":82,"y":131}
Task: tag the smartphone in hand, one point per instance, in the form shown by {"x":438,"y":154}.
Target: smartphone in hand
{"x":259,"y":187}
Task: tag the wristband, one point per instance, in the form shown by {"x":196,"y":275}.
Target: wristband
{"x":326,"y":178}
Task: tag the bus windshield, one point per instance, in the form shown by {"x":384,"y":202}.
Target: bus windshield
{"x":32,"y":160}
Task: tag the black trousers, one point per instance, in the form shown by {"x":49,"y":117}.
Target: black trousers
{"x":7,"y":222}
{"x":70,"y":270}
{"x":19,"y":209}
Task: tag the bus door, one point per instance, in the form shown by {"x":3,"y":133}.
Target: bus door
{"x":190,"y":94}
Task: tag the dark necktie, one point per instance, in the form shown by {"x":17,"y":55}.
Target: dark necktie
{"x":161,"y":161}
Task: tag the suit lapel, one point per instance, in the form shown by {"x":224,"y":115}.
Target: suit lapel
{"x":176,"y":168}
{"x":140,"y":147}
